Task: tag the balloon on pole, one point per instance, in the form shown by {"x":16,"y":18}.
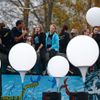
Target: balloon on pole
{"x":22,"y":58}
{"x":82,"y":51}
{"x":58,"y":67}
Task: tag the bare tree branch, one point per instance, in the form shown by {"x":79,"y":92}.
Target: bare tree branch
{"x":16,"y":4}
{"x":21,"y":3}
{"x":35,"y":14}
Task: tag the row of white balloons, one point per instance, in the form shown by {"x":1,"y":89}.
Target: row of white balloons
{"x":82,"y":51}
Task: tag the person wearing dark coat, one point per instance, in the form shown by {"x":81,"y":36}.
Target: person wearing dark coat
{"x":96,"y":36}
{"x":39,"y":44}
{"x":5,"y":46}
{"x":64,"y":39}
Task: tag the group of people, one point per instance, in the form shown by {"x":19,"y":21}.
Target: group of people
{"x":46,"y":44}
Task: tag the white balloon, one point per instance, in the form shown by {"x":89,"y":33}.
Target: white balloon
{"x":58,"y":66}
{"x":22,"y":57}
{"x":82,"y":51}
{"x":93,"y":16}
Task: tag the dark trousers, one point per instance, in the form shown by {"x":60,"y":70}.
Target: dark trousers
{"x":43,"y":59}
{"x":40,"y":65}
{"x":98,"y":63}
{"x":3,"y":49}
{"x":62,"y":50}
{"x":4,"y":62}
{"x":52,"y":53}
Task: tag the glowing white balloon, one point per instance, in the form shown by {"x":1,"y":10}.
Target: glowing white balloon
{"x":93,"y":16}
{"x":58,"y":66}
{"x":82,"y":51}
{"x":22,"y":58}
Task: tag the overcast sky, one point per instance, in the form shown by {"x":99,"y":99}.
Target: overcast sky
{"x":3,"y":0}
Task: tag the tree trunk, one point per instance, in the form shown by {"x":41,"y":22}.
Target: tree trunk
{"x":26,"y":12}
{"x":97,"y":3}
{"x":45,"y":15}
{"x":89,"y":3}
{"x":48,"y":6}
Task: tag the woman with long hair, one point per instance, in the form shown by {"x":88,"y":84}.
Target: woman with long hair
{"x":39,"y":44}
{"x":86,"y":32}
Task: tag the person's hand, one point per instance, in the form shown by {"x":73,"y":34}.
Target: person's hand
{"x":17,"y":39}
{"x":38,"y":51}
{"x":49,"y":49}
{"x":24,"y":32}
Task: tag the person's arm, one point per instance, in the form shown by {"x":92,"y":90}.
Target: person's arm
{"x":18,"y":38}
{"x":22,"y":36}
{"x":42,"y":41}
{"x":2,"y":48}
{"x":41,"y":45}
{"x":55,"y":45}
{"x":66,"y":39}
{"x":56,"y":42}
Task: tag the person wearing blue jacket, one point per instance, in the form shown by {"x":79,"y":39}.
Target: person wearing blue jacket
{"x":52,"y":41}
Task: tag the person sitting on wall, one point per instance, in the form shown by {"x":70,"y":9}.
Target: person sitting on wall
{"x":64,"y":39}
{"x":52,"y":41}
{"x":19,"y":32}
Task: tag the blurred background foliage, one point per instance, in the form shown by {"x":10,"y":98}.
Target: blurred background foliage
{"x":60,"y":12}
